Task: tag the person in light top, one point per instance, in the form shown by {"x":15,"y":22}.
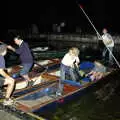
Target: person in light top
{"x":109,"y":45}
{"x":68,"y":62}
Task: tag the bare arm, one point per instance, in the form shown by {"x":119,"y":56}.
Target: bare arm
{"x":11,"y":48}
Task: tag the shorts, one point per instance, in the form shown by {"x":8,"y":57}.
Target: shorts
{"x":26,"y":68}
{"x":2,"y":80}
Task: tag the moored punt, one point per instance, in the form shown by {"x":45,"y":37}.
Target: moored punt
{"x":36,"y":73}
{"x":44,"y":98}
{"x":49,"y":54}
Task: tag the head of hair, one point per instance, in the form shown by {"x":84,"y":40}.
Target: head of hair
{"x":105,"y":30}
{"x":74,"y":50}
{"x":18,"y":37}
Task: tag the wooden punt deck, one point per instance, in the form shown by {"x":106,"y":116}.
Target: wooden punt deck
{"x":36,"y":74}
{"x":39,"y":98}
{"x":34,"y":100}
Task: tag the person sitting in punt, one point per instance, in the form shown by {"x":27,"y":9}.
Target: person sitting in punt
{"x":25,"y":56}
{"x":5,"y":78}
{"x":68,"y":62}
{"x":97,"y":72}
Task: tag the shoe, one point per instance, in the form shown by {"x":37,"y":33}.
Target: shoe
{"x":8,"y":102}
{"x":58,"y":93}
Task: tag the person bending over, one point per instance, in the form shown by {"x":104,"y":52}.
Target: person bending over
{"x":25,"y":56}
{"x":68,"y":62}
{"x":5,"y":79}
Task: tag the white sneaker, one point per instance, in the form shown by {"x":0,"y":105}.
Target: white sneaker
{"x":58,"y":93}
{"x":8,"y":102}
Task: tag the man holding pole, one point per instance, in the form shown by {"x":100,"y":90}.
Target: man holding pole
{"x":109,"y":44}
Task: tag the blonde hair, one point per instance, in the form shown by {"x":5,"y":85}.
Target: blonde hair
{"x":75,"y":51}
{"x":3,"y":49}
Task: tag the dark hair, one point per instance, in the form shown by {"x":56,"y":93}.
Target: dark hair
{"x":18,"y":37}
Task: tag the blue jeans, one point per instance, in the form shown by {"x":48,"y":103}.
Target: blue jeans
{"x":64,"y":70}
{"x":110,"y":55}
{"x":26,"y":68}
{"x":24,"y":71}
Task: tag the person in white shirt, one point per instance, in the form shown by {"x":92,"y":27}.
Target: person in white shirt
{"x":109,"y":45}
{"x":69,"y":61}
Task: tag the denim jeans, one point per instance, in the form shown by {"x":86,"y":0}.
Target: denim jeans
{"x":26,"y":68}
{"x":64,"y":70}
{"x":110,"y":55}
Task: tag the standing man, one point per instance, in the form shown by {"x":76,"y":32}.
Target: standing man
{"x":25,"y":57}
{"x":109,"y":45}
{"x":6,"y":80}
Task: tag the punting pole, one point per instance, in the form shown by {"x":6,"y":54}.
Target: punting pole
{"x":99,"y":34}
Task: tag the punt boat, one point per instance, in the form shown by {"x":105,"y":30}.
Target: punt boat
{"x":40,"y":98}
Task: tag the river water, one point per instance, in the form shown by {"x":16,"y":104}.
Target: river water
{"x":88,"y":107}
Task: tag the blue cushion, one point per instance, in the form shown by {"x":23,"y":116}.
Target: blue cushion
{"x":86,"y":79}
{"x":86,"y":65}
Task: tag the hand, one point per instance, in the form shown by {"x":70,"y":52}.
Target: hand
{"x":99,"y":37}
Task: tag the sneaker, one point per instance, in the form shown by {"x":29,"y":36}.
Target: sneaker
{"x":8,"y":102}
{"x":58,"y":93}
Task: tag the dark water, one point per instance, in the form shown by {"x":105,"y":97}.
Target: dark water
{"x":88,"y":108}
{"x":98,"y":104}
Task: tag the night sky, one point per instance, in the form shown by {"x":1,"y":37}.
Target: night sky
{"x":102,"y":13}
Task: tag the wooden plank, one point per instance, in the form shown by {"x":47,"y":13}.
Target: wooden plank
{"x":26,"y":94}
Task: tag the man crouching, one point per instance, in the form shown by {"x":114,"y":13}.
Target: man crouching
{"x":6,"y":80}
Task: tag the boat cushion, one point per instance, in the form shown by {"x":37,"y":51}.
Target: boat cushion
{"x":86,"y":65}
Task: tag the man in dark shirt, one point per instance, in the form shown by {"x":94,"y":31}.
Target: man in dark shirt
{"x":25,"y":57}
{"x":5,"y":79}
